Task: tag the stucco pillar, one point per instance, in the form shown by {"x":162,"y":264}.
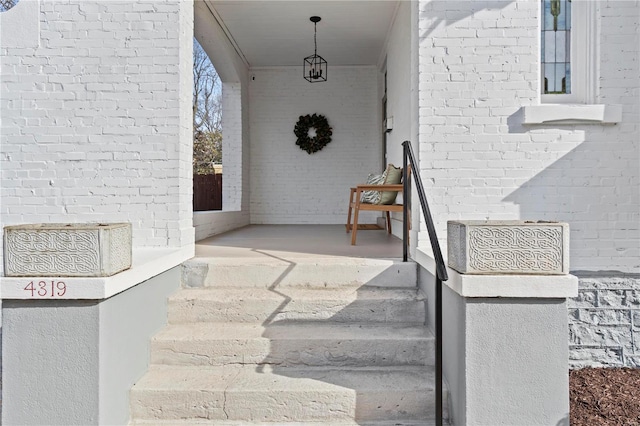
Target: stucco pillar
{"x":505,"y":346}
{"x":73,"y":346}
{"x":73,"y":361}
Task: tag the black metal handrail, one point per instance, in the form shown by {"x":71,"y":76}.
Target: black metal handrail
{"x":441,"y":269}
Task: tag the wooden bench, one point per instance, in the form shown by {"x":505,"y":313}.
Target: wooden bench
{"x":355,"y":205}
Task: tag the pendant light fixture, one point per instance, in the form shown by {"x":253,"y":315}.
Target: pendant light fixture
{"x":315,"y":67}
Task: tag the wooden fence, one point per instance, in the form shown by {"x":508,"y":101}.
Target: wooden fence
{"x":207,"y":192}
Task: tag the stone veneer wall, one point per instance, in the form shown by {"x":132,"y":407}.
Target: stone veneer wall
{"x":604,"y":321}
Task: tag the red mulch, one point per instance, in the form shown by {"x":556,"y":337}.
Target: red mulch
{"x":605,"y":396}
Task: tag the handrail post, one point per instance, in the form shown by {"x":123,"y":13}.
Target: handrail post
{"x":438,"y":314}
{"x":405,"y":204}
{"x":441,"y":269}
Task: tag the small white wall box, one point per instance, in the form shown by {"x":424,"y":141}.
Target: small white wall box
{"x":67,"y":250}
{"x":508,"y":247}
{"x":388,"y":124}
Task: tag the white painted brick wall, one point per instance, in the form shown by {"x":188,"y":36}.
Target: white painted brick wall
{"x":289,"y":186}
{"x":399,"y":83}
{"x":95,"y":119}
{"x":209,"y":223}
{"x":399,"y":93}
{"x":91,"y":127}
{"x":232,"y":188}
{"x":479,"y":64}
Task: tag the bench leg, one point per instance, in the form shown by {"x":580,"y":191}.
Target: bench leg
{"x":355,"y":226}
{"x":350,"y":210}
{"x":389,"y":222}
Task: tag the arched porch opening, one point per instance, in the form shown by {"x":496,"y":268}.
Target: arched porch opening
{"x":233,"y":73}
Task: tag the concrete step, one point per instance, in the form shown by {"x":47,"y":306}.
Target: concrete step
{"x":199,"y":422}
{"x":293,"y":343}
{"x":248,"y":394}
{"x":324,"y":272}
{"x":362,"y":305}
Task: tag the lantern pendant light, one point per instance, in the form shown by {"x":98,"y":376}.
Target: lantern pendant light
{"x":315,"y":67}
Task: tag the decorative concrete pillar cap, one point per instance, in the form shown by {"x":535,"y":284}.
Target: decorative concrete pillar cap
{"x":67,"y":249}
{"x":495,"y":247}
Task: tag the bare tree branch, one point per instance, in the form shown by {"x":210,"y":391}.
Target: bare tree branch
{"x":207,"y":113}
{"x":207,"y":93}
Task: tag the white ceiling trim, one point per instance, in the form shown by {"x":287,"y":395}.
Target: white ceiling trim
{"x":227,"y":33}
{"x":383,"y":53}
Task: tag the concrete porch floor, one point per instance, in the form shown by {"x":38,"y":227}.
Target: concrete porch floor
{"x":300,"y":241}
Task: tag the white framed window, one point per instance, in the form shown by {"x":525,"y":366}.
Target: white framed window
{"x":569,"y":60}
{"x":7,"y":4}
{"x":568,"y":51}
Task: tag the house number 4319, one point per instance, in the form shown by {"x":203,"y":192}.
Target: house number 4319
{"x":46,"y":288}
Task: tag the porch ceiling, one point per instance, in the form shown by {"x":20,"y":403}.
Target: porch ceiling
{"x":279,"y":33}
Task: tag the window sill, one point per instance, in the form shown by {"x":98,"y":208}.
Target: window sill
{"x":572,"y":114}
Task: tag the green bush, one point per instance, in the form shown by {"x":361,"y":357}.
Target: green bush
{"x":207,"y":151}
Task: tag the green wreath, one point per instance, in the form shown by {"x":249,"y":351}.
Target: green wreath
{"x":322,"y":128}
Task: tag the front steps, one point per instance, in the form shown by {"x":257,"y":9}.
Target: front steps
{"x":294,"y":343}
{"x":269,"y":394}
{"x":257,"y":305}
{"x":267,"y":349}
